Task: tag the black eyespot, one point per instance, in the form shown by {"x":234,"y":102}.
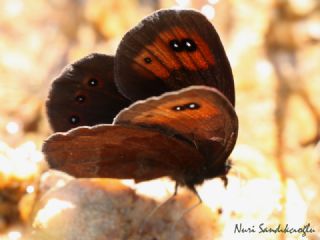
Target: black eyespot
{"x":80,"y":98}
{"x":74,"y":119}
{"x":93,"y":82}
{"x":147,"y":60}
{"x":193,"y":106}
{"x":179,"y":108}
{"x":220,"y":211}
{"x":189,"y":45}
{"x":176,"y":45}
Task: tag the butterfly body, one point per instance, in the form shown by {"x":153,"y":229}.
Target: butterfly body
{"x":181,"y":122}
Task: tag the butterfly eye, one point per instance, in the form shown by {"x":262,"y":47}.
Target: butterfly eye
{"x":178,"y":108}
{"x":193,"y":106}
{"x":176,"y":45}
{"x":93,"y":82}
{"x":80,"y":98}
{"x":189,"y":45}
{"x":74,"y":119}
{"x":147,"y":60}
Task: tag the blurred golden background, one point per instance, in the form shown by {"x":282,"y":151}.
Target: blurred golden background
{"x":274,"y":50}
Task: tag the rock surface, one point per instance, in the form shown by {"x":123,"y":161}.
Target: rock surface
{"x":106,"y":209}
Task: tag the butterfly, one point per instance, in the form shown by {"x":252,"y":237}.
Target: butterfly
{"x":173,"y":106}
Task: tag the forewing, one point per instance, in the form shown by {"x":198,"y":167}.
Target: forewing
{"x":170,"y":50}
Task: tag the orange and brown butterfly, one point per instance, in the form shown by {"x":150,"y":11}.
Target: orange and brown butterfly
{"x":186,"y":133}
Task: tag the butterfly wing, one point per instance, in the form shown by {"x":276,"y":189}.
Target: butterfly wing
{"x":169,"y":50}
{"x":120,"y":152}
{"x":198,"y":114}
{"x":84,"y":94}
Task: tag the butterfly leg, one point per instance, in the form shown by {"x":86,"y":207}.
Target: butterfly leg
{"x":175,"y":189}
{"x":194,"y":142}
{"x":224,"y":180}
{"x":141,"y":228}
{"x":227,"y":169}
{"x":194,"y":190}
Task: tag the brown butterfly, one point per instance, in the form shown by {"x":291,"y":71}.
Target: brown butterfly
{"x":187,"y":133}
{"x":199,"y":133}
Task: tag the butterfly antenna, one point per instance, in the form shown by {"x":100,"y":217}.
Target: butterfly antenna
{"x":193,"y":189}
{"x":141,"y":228}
